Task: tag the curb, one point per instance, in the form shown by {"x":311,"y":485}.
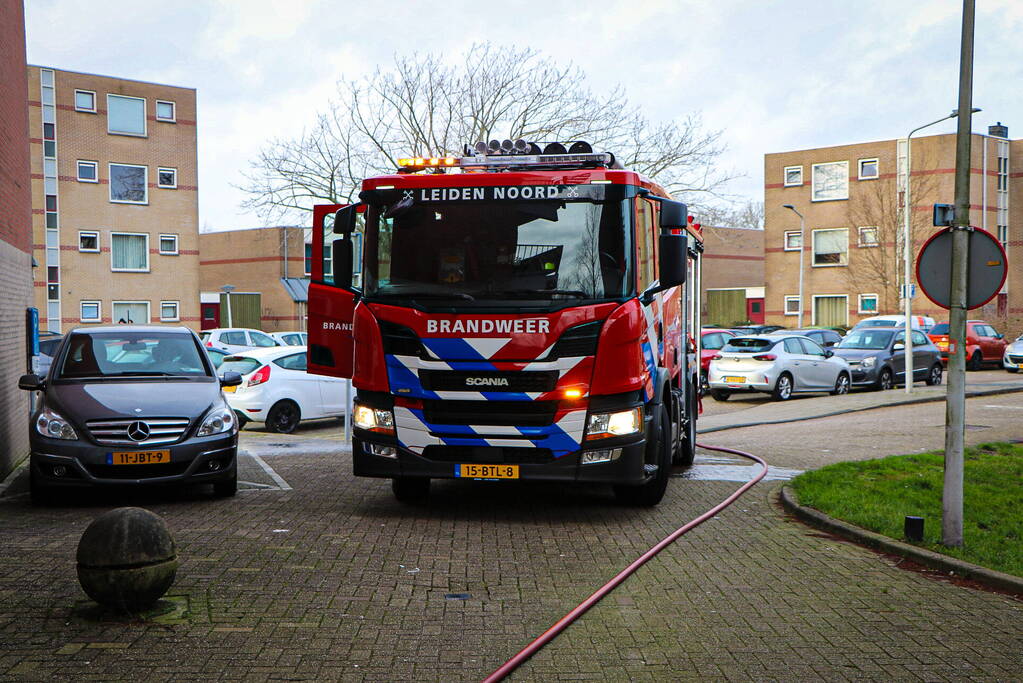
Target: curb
{"x":846,"y":411}
{"x":928,"y":558}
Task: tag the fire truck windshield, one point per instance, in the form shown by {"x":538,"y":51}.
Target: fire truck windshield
{"x":499,"y":251}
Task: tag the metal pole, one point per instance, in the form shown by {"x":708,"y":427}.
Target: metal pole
{"x":955,"y":399}
{"x":802,"y":250}
{"x":907,"y":257}
{"x":227,"y":298}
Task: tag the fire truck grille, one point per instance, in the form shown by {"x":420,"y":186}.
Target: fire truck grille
{"x":399,"y":340}
{"x":580,"y":340}
{"x":498,"y":413}
{"x":489,"y":455}
{"x":446,"y":380}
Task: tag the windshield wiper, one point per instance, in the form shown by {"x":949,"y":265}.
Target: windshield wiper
{"x":145,"y":373}
{"x":542,"y":292}
{"x":426,"y":295}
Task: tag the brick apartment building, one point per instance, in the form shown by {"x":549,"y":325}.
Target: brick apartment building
{"x":852,"y":196}
{"x":257,"y":261}
{"x":732,"y":286}
{"x":115,"y":200}
{"x":15,"y":236}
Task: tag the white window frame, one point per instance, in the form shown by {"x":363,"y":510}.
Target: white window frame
{"x":149,"y":313}
{"x":813,"y":182}
{"x":91,"y":302}
{"x":78,"y":170}
{"x":788,"y":298}
{"x":145,"y":116}
{"x":813,"y":308}
{"x":785,"y":176}
{"x":163,"y":169}
{"x":174,"y":237}
{"x":785,"y":240}
{"x":98,"y":248}
{"x":174,"y":111}
{"x":130,"y":270}
{"x":877,"y":169}
{"x":177,"y":311}
{"x":110,"y":193}
{"x":859,"y":303}
{"x":859,"y":237}
{"x":813,"y":250}
{"x":91,"y":92}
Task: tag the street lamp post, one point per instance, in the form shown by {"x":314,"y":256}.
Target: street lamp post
{"x":227,"y":289}
{"x":802,"y":233}
{"x":907,"y":248}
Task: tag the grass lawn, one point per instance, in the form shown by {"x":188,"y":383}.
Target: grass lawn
{"x":878,"y":494}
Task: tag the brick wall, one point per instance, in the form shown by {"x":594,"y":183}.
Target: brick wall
{"x":15,"y":235}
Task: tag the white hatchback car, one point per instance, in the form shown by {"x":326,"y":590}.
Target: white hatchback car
{"x":291,"y":338}
{"x":277,"y":390}
{"x":236,"y":339}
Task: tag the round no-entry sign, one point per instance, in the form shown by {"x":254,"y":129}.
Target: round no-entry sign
{"x":985,"y":275}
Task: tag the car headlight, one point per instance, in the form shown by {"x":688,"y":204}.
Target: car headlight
{"x":869,"y":362}
{"x":378,"y":420}
{"x":54,"y":426}
{"x":622,"y":423}
{"x":219,"y":420}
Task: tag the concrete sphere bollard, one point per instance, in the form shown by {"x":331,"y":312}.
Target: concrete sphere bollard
{"x":126,"y":559}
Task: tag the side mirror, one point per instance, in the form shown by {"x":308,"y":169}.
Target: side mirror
{"x":828,"y":353}
{"x":673,"y":214}
{"x":999,"y":336}
{"x":341,"y":251}
{"x":30,"y":382}
{"x":230,"y":379}
{"x":673,"y":259}
{"x":899,"y":346}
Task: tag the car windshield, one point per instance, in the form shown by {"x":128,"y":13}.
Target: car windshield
{"x":880,"y":323}
{"x":500,"y":251}
{"x":866,"y":339}
{"x":132,"y":354}
{"x":243,"y":365}
{"x":940,"y":328}
{"x":746,"y":345}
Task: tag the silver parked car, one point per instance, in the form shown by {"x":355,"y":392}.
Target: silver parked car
{"x":876,"y":357}
{"x":1012,"y":359}
{"x":779,"y":364}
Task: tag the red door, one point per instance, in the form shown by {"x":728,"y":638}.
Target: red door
{"x":755,"y":311}
{"x":210,"y":316}
{"x":331,"y":308}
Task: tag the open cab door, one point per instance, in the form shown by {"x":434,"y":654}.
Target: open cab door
{"x":332,"y":294}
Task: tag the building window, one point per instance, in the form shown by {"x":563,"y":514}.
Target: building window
{"x":830,"y":181}
{"x":126,"y":115}
{"x":129,"y":252}
{"x":868,"y":303}
{"x":793,"y":176}
{"x":167,"y":178}
{"x":130,"y":312}
{"x":830,"y":310}
{"x":168,"y":244}
{"x":1003,"y":236}
{"x":90,"y":312}
{"x":831,"y":247}
{"x":165,"y":111}
{"x":868,"y":169}
{"x":128,"y":184}
{"x":50,"y":149}
{"x":85,"y":100}
{"x":88,"y":240}
{"x":792,"y":305}
{"x":169,"y":311}
{"x":87,"y":172}
{"x":793,"y":240}
{"x":868,"y":236}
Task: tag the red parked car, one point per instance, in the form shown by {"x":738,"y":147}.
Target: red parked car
{"x":983,"y":343}
{"x":711,"y":341}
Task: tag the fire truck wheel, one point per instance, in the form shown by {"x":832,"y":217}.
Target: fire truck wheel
{"x":687,"y":444}
{"x":658,"y":454}
{"x":411,"y":489}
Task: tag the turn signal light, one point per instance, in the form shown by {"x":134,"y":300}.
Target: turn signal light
{"x":259,"y":376}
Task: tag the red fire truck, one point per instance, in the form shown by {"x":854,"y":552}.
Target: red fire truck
{"x":516,"y":313}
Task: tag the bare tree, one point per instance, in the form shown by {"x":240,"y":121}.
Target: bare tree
{"x":749,"y":215}
{"x":424,"y":106}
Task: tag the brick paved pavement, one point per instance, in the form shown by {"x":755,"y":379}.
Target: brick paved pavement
{"x":335,"y":580}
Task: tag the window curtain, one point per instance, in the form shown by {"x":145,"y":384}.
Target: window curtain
{"x":830,"y":311}
{"x":130,"y":252}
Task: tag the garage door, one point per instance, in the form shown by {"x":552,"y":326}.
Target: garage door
{"x":831,"y":311}
{"x":726,"y":306}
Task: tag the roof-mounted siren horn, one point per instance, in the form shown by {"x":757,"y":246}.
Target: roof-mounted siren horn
{"x":494,"y":147}
{"x":521,"y":146}
{"x":480,"y":148}
{"x":554,"y":148}
{"x":580,"y":147}
{"x":507,"y":146}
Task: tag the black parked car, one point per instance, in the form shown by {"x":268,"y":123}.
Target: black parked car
{"x":876,"y":357}
{"x":131,"y":405}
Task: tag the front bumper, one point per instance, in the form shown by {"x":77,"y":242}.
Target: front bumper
{"x":861,"y":376}
{"x":86,"y":464}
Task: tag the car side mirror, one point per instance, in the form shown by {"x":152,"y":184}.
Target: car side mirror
{"x":999,"y":336}
{"x":230,"y":379}
{"x":828,"y":353}
{"x":31,"y":382}
{"x":899,"y":347}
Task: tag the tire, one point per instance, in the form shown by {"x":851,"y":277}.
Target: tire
{"x":411,"y":489}
{"x":687,"y":443}
{"x":934,"y":375}
{"x":226,"y":489}
{"x":242,"y":420}
{"x":704,"y":385}
{"x":782,"y":388}
{"x":658,"y":452}
{"x":975,"y":362}
{"x":283,"y":417}
{"x":720,"y":394}
{"x":841,"y":385}
{"x":885,"y":380}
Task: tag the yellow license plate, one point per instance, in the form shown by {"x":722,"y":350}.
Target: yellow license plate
{"x":942,"y":345}
{"x":138,"y":458}
{"x":487,"y":471}
{"x":735,"y":380}
{"x":230,"y":390}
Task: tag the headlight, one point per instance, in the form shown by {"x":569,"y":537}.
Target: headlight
{"x":869,"y":362}
{"x":604,"y":425}
{"x":373,"y":419}
{"x":219,"y":420}
{"x":54,"y":426}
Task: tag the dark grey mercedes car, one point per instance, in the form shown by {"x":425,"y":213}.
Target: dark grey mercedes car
{"x":876,"y":357}
{"x":131,"y":405}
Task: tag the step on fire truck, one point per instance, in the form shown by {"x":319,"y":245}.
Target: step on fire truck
{"x":516,"y":313}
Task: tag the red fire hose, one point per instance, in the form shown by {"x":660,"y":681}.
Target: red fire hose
{"x":563,"y":623}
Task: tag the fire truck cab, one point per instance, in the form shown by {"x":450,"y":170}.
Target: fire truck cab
{"x":515,"y":313}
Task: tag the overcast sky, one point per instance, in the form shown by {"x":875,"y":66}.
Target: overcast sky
{"x":774,"y":75}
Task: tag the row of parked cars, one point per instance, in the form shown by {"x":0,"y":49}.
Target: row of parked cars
{"x":872,"y":354}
